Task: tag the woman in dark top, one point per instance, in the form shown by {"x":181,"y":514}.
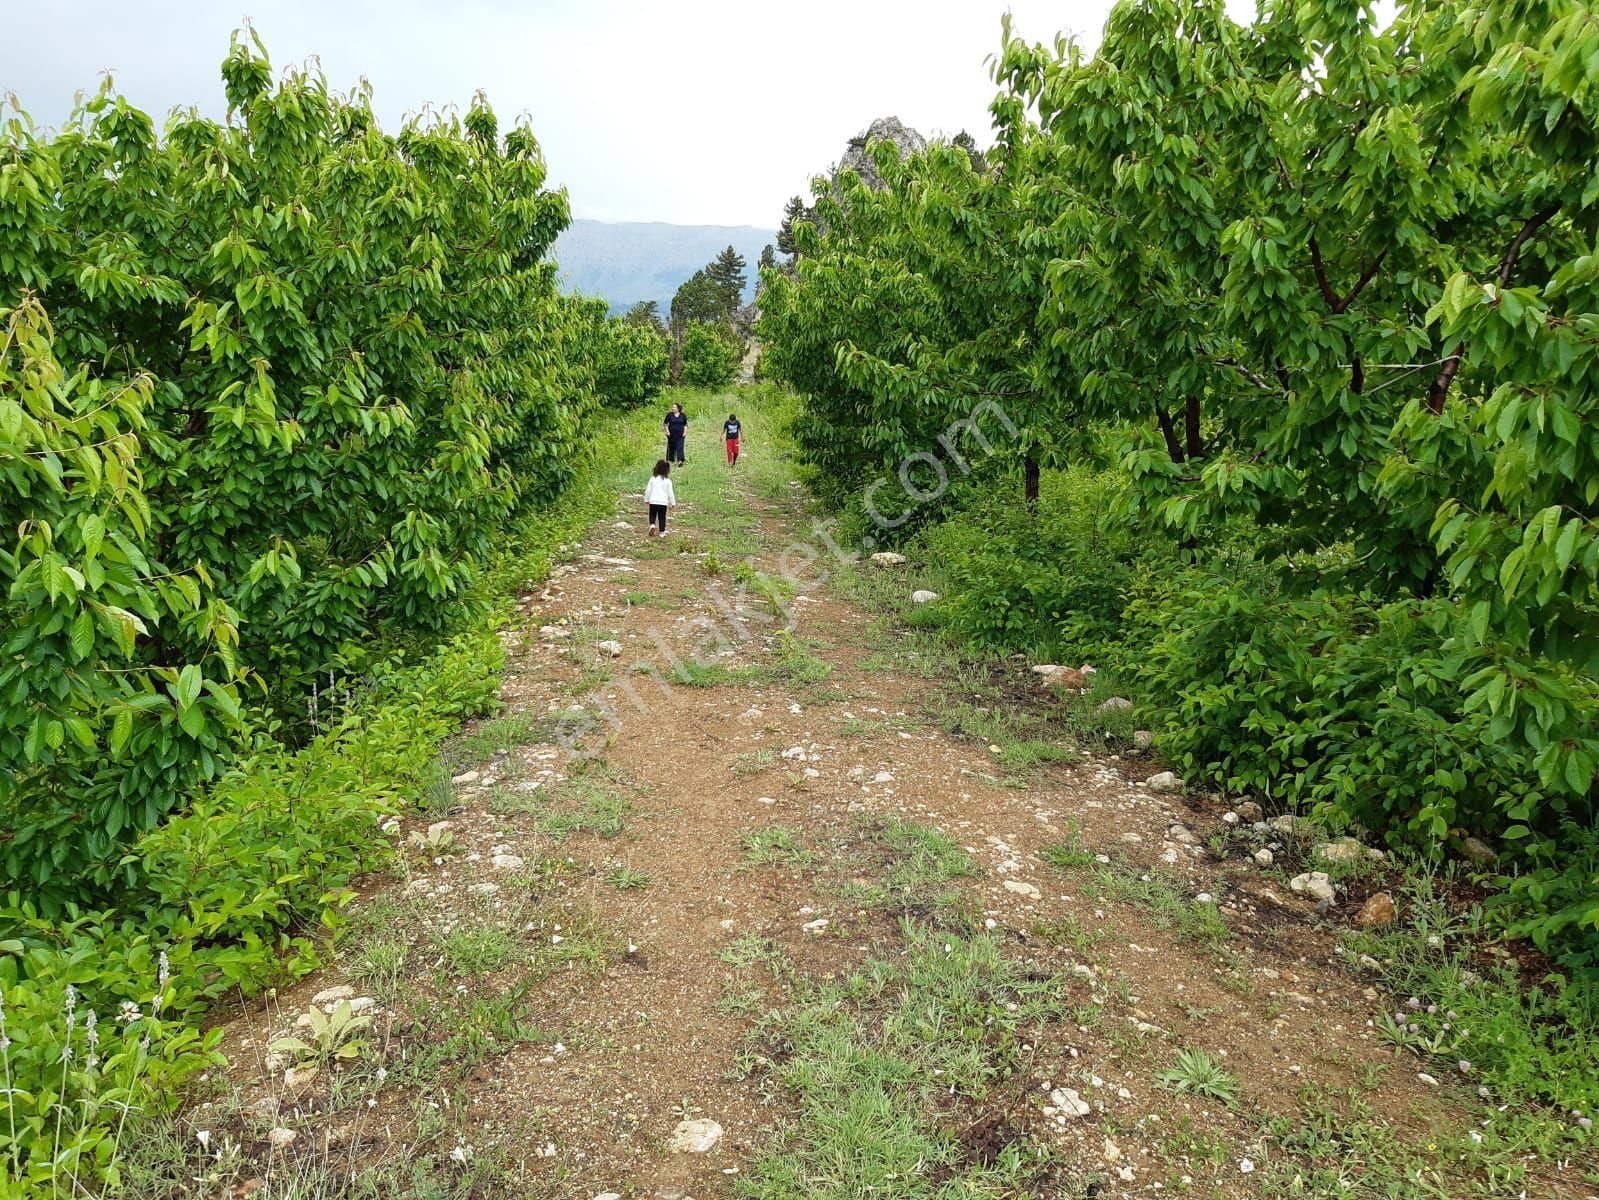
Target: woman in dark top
{"x":676,"y":429}
{"x":730,"y":432}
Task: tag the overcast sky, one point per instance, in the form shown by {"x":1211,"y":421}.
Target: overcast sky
{"x":694,"y":112}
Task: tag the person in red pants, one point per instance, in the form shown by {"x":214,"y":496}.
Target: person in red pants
{"x":730,"y":432}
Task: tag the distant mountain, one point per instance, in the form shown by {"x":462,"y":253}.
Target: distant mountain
{"x":629,"y":261}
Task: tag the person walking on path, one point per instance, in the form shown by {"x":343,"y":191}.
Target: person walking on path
{"x":658,"y":494}
{"x":730,"y":432}
{"x":676,"y":427}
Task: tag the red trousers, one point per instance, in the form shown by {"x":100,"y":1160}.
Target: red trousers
{"x":732,"y":451}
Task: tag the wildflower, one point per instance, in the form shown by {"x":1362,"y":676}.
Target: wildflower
{"x":1413,"y":1003}
{"x":91,"y":1032}
{"x":460,"y":1154}
{"x":128,"y":1013}
{"x":203,"y":1136}
{"x":1246,"y":1165}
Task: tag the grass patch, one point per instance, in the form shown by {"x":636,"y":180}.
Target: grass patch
{"x":880,"y":1067}
{"x":774,"y":847}
{"x":488,"y":738}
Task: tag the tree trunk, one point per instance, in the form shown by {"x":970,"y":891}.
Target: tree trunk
{"x":1167,"y":431}
{"x":1196,"y":445}
{"x":1030,"y":480}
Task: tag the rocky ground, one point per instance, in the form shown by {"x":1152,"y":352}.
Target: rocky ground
{"x":804,"y":868}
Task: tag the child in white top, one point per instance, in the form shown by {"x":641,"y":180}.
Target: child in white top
{"x":658,"y":494}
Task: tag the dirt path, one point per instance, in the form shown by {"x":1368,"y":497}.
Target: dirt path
{"x":586,"y":954}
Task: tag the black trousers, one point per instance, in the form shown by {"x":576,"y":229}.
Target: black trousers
{"x":674,"y":449}
{"x":658,"y":516}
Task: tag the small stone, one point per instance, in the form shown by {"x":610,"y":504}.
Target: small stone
{"x":1249,"y":811}
{"x":923,"y":596}
{"x":1165,"y":781}
{"x":815,"y":926}
{"x":1475,"y":850}
{"x":297,"y":1078}
{"x":1115,"y":704}
{"x":332,"y":995}
{"x":882,"y":777}
{"x":508,"y":862}
{"x":795,"y":753}
{"x":1344,"y":849}
{"x":1022,"y":888}
{"x":1377,"y":911}
{"x":1229,"y":818}
{"x":438,"y":829}
{"x":607,"y":1196}
{"x":1204,"y":898}
{"x":465,"y":777}
{"x":264,"y":1109}
{"x":281,"y":1138}
{"x":609,"y":647}
{"x":887,"y":558}
{"x":1068,"y":679}
{"x":694,"y":1137}
{"x":1286,"y":823}
{"x":1426,"y":1078}
{"x":1315,"y":884}
{"x":1068,"y":1103}
{"x":1263,"y":857}
{"x":1143,"y":739}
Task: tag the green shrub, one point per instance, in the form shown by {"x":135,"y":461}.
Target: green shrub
{"x":1052,"y":582}
{"x":631,"y":362}
{"x":710,"y":356}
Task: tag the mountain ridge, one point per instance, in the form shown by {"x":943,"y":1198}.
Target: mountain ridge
{"x":625,"y":262}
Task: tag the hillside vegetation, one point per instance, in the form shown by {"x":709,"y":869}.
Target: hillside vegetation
{"x":1256,"y":363}
{"x":273,"y":393}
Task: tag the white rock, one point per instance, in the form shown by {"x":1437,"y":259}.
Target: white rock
{"x":1021,"y":888}
{"x":923,"y":596}
{"x":887,"y":558}
{"x":1344,"y":849}
{"x":882,"y":777}
{"x":796,"y":753}
{"x":1069,"y":1103}
{"x":694,"y":1137}
{"x":1143,"y":739}
{"x":332,"y":995}
{"x":815,"y":926}
{"x":1263,"y":857}
{"x":1165,"y":781}
{"x":609,"y":647}
{"x":1229,"y":818}
{"x":1115,"y":704}
{"x":465,"y":777}
{"x":1315,"y":884}
{"x":508,"y":862}
{"x":281,"y":1138}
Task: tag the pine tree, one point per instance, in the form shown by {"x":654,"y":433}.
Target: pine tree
{"x":645,"y":312}
{"x":768,"y":257}
{"x":795,"y":210}
{"x":699,"y":299}
{"x":726,"y":271}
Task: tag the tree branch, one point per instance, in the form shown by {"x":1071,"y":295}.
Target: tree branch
{"x":1335,"y":302}
{"x":1438,"y":392}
